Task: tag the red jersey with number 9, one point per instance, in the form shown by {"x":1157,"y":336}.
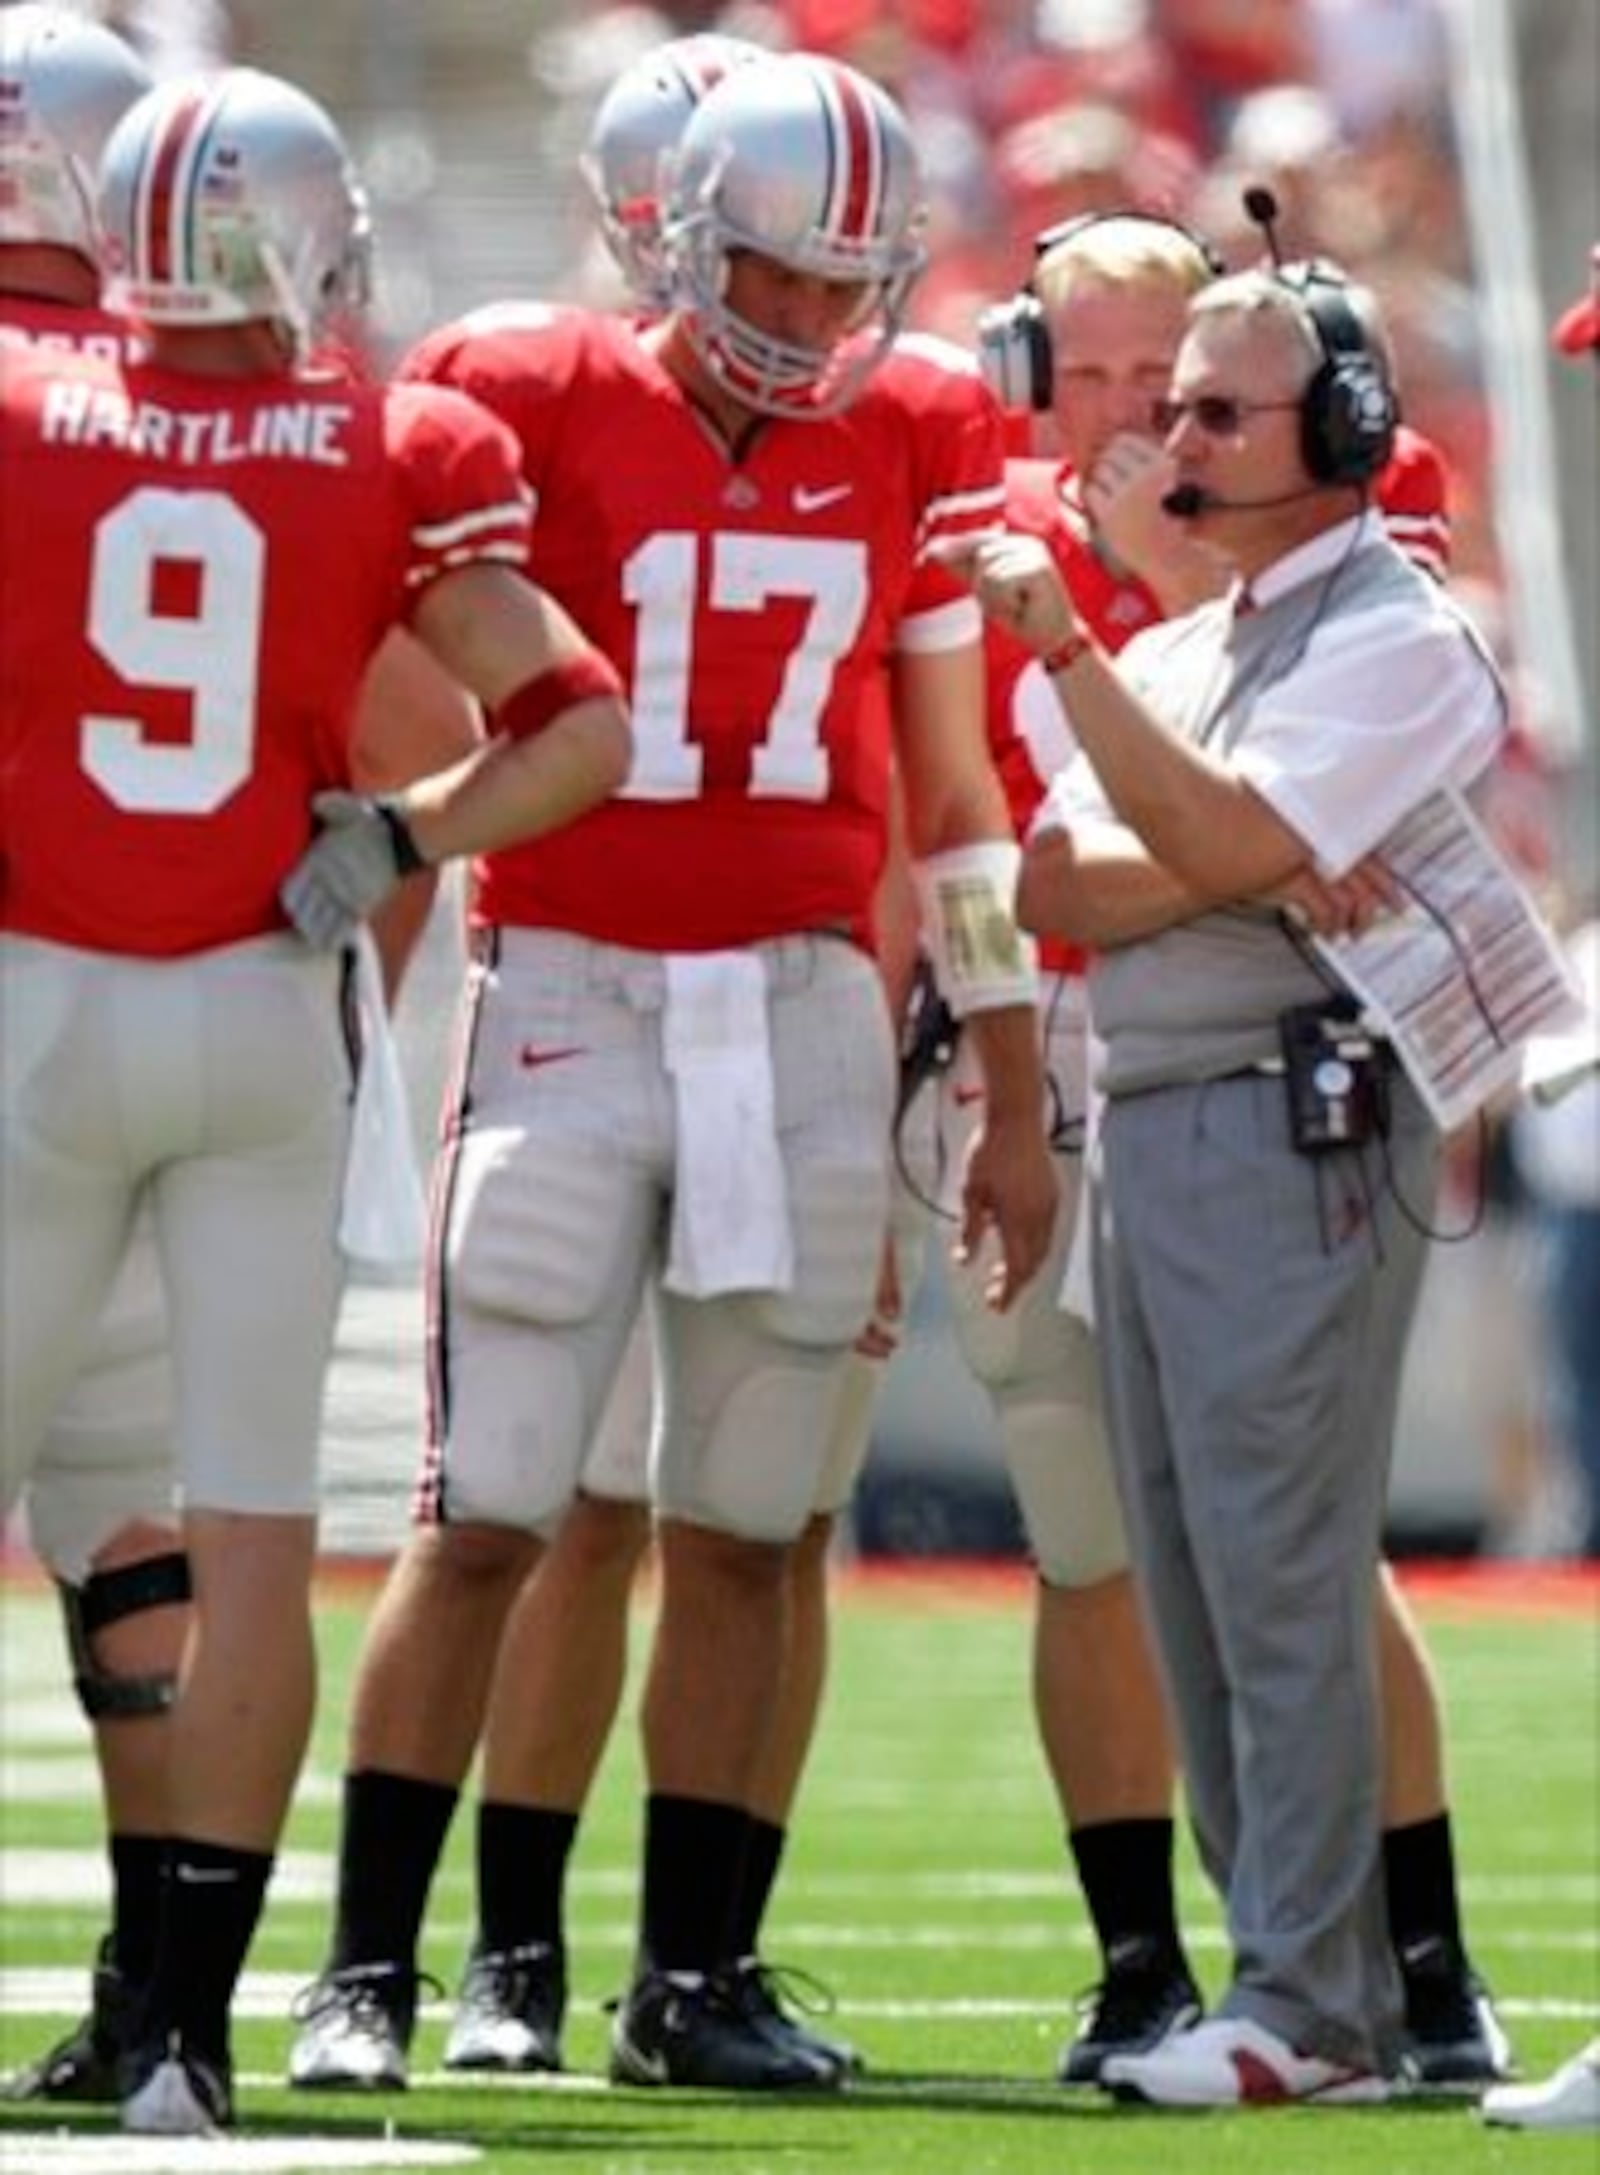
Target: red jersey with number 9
{"x":194,"y":573}
{"x":752,"y":603}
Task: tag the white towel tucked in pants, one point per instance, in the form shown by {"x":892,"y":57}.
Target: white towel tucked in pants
{"x":730,"y":1219}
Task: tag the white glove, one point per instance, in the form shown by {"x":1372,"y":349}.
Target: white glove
{"x":362,"y":851}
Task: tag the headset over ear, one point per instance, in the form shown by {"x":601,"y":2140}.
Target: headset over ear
{"x":1349,"y":411}
{"x":1014,"y":337}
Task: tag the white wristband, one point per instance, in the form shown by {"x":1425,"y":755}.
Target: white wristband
{"x":981,"y":959}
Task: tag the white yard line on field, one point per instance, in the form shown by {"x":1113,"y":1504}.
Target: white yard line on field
{"x":59,"y":1990}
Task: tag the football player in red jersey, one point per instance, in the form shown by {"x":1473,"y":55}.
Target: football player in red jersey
{"x":1092,"y":340}
{"x":632,"y":137}
{"x":228,"y":537}
{"x":567,"y":1648}
{"x":100,"y":1500}
{"x":677,"y":1071}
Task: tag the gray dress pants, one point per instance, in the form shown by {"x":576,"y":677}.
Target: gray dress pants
{"x":1253,"y":1306}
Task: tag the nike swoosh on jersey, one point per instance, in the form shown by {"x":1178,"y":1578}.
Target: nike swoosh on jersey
{"x":811,"y":498}
{"x":531,"y":1057}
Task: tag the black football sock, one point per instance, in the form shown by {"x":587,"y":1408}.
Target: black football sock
{"x":211,"y":1901}
{"x":389,"y":1849}
{"x":763,"y":1852}
{"x":1419,"y":1878}
{"x":138,"y":1865}
{"x":522,"y":1876}
{"x":1125,"y":1870}
{"x":693,"y":1860}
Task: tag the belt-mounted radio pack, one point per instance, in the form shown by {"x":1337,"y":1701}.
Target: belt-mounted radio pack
{"x":1336,"y":1073}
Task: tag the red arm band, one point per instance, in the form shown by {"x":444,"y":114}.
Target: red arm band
{"x":1066,"y":654}
{"x":529,"y":708}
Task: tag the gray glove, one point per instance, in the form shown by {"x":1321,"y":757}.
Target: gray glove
{"x":362,"y":851}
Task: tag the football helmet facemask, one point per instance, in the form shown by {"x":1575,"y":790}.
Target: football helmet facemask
{"x":641,"y":119}
{"x":230,"y":198}
{"x":807,"y":162}
{"x":64,"y":84}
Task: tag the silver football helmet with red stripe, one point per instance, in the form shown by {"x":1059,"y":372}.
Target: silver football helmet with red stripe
{"x":230,"y":198}
{"x":639,"y":121}
{"x":805,"y":161}
{"x":64,"y":84}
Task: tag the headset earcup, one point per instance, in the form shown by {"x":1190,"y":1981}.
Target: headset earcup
{"x":1347,"y":421}
{"x":1040,"y":364}
{"x":1014,"y":353}
{"x":1316,"y":446}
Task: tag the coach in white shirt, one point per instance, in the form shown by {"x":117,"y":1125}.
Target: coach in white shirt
{"x":1254,"y":1296}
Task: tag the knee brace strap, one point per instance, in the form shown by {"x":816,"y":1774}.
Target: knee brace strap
{"x":106,"y":1597}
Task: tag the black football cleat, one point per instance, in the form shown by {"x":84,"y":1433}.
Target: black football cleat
{"x":696,"y":2028}
{"x":85,"y":2068}
{"x":1145,"y":1996}
{"x":1453,"y":2041}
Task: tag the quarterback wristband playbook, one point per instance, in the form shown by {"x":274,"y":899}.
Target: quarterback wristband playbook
{"x":529,"y":708}
{"x":981,"y":959}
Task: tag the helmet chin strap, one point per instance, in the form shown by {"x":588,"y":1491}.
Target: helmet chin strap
{"x":290,"y":320}
{"x":287,"y":341}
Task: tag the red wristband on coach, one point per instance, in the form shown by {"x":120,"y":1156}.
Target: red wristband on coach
{"x":1067,"y":653}
{"x":529,"y":708}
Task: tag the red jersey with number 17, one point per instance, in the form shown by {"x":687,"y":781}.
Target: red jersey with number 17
{"x":752,"y":603}
{"x":194,"y":573}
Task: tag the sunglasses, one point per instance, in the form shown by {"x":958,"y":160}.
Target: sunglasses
{"x":1219,"y":415}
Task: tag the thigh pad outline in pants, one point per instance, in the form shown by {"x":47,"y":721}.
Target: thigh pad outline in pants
{"x":246,"y":1225}
{"x":616,"y":1465}
{"x":545,"y":1251}
{"x":750,"y":1381}
{"x":108,"y":1459}
{"x":215,"y":1086}
{"x":1039,"y":1365}
{"x":67,"y":1188}
{"x":913,"y":1190}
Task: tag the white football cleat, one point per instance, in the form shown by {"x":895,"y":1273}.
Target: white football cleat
{"x":1231,"y":2061}
{"x":1568,"y":2100}
{"x":178,"y":2093}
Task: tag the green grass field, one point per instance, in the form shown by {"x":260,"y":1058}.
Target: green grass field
{"x":926,"y":1884}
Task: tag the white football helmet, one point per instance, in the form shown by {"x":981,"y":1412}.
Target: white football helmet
{"x":641,"y":118}
{"x":808,"y":162}
{"x":64,"y":84}
{"x":229,"y":198}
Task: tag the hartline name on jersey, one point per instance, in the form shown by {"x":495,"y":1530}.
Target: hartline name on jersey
{"x":76,"y":414}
